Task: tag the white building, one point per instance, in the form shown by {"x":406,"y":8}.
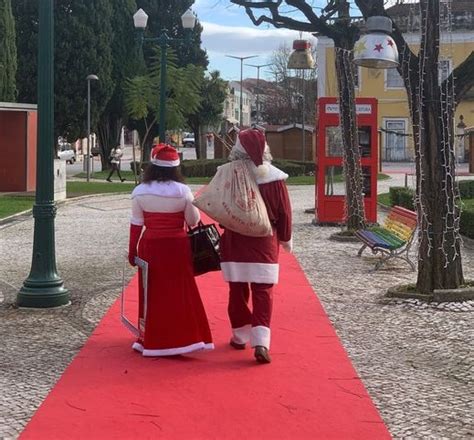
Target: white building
{"x":232,"y":104}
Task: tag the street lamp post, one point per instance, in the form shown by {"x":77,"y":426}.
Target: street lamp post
{"x":241,"y":80}
{"x":44,"y":288}
{"x":140,"y":20}
{"x":89,"y":79}
{"x":258,"y":90}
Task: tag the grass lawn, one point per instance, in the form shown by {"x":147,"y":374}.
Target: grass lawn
{"x":77,"y":189}
{"x":295,"y":180}
{"x":10,"y":205}
{"x":384,"y":199}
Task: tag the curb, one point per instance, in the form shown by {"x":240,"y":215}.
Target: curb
{"x":29,"y":212}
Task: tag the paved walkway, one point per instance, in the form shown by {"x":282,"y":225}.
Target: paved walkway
{"x":415,"y":360}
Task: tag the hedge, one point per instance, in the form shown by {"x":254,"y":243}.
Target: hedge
{"x":208,"y":167}
{"x":466,"y":226}
{"x":466,"y":189}
{"x":402,"y":196}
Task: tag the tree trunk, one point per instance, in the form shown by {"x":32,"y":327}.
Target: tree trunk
{"x":203,"y":140}
{"x":354,"y":203}
{"x":108,"y":132}
{"x":439,"y":261}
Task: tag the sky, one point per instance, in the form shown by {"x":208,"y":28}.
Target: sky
{"x":229,"y":31}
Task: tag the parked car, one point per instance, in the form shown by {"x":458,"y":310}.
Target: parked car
{"x":67,"y":153}
{"x":188,"y":141}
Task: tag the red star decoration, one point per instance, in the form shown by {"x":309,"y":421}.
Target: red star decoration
{"x":378,"y":47}
{"x":390,"y":43}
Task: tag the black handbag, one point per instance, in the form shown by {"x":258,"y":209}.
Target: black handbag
{"x":205,"y":241}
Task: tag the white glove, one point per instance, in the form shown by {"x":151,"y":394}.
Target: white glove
{"x":287,"y":245}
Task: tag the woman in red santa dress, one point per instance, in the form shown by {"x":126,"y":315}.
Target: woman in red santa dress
{"x":251,"y":263}
{"x":172,"y":319}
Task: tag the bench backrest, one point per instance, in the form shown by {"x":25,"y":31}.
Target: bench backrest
{"x":401,"y":222}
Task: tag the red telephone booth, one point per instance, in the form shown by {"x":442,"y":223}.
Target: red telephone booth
{"x":330,"y":187}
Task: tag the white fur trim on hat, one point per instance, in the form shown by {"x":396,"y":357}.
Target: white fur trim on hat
{"x":165,"y":163}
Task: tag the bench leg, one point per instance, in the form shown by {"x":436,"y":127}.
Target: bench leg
{"x":387,"y":257}
{"x":361,"y":250}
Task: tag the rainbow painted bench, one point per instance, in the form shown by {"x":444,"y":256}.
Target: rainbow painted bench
{"x":393,"y":239}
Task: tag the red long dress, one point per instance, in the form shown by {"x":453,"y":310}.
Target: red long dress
{"x":174,"y":321}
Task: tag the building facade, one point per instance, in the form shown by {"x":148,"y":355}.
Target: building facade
{"x":232,"y":104}
{"x":396,"y":143}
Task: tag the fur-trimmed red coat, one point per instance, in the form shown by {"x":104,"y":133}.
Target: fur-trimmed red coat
{"x":255,"y":259}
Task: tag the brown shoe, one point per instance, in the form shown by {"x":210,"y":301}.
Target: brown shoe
{"x":262,"y":355}
{"x":236,"y":345}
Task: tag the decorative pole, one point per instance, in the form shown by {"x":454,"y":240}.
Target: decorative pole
{"x":241,"y":84}
{"x":44,"y":288}
{"x":140,"y":20}
{"x":259,"y":66}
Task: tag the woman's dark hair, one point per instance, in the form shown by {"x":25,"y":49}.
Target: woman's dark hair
{"x":162,"y":174}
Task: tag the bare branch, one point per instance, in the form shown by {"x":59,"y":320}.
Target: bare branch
{"x":314,"y":23}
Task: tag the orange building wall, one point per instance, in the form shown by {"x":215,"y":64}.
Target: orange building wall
{"x":31,"y":145}
{"x":18,"y":151}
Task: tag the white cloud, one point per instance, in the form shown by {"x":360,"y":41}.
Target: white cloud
{"x":243,"y":41}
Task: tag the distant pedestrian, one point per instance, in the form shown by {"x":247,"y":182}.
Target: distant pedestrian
{"x":115,"y":160}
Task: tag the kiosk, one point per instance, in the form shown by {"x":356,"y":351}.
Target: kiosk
{"x":330,"y":186}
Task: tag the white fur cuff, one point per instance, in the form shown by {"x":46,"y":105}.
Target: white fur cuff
{"x":260,"y":335}
{"x":241,"y":335}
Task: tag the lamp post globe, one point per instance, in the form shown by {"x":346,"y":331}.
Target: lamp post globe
{"x":188,"y":19}
{"x":140,"y":19}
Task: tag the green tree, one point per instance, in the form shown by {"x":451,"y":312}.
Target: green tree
{"x":182,"y":95}
{"x":26,"y":20}
{"x":8,"y":55}
{"x":125,"y":64}
{"x":83,"y":46}
{"x":83,"y":36}
{"x":213,"y":93}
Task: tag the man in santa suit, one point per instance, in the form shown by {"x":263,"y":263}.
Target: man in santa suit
{"x":250,"y":264}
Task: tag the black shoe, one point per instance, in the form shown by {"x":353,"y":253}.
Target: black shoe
{"x":262,"y":355}
{"x":108,"y":180}
{"x":236,"y":345}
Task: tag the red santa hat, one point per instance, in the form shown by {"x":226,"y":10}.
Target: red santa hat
{"x":164,"y":155}
{"x":252,"y":141}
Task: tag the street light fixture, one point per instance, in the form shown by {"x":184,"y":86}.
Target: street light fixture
{"x":258,"y":90}
{"x":44,"y":288}
{"x":241,"y":79}
{"x":140,"y":20}
{"x":89,"y":78}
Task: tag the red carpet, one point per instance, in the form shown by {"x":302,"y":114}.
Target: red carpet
{"x":310,"y":391}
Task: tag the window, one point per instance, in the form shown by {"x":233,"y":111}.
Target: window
{"x":393,"y":79}
{"x":395,"y":143}
{"x":356,"y":76}
{"x":444,"y":69}
{"x":333,"y":142}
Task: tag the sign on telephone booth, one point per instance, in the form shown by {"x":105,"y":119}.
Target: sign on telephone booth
{"x":330,"y":184}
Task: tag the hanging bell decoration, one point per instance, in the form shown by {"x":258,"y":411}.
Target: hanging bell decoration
{"x":377,"y":49}
{"x":301,"y":57}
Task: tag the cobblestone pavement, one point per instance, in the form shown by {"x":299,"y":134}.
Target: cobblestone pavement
{"x":415,"y":360}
